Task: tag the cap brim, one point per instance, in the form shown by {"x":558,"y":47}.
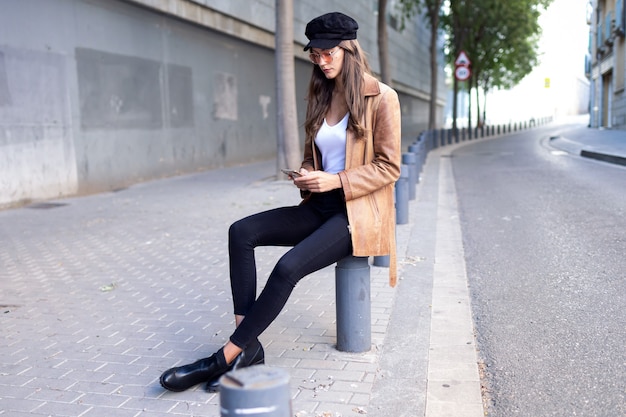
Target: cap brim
{"x":322,"y":44}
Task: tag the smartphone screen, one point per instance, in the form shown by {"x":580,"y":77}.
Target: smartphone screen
{"x":291,"y":172}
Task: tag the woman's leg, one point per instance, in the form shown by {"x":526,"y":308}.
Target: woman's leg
{"x":325,"y":246}
{"x":318,"y":246}
{"x":285,"y":226}
{"x":328,"y":244}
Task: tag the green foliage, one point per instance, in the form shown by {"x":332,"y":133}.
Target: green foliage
{"x":430,"y":8}
{"x":507,"y":49}
{"x":500,"y":36}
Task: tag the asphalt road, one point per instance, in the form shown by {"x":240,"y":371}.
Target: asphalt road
{"x":545,"y":241}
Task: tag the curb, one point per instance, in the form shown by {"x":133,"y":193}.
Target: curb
{"x":613,"y":159}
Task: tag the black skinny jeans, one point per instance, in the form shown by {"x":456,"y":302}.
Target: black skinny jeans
{"x":317,"y":230}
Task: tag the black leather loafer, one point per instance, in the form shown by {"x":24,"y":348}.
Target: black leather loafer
{"x":184,"y":377}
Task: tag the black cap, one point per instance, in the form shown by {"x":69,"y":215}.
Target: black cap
{"x":328,"y":30}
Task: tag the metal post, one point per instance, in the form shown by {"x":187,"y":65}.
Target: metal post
{"x":423,"y":151}
{"x":402,"y":196}
{"x":410,"y":159}
{"x":353,"y":305}
{"x":415,"y":148}
{"x":382,"y":261}
{"x":256,"y":391}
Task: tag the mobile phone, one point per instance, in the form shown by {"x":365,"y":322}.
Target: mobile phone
{"x":291,"y":173}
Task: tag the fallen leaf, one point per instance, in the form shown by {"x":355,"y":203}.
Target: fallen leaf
{"x":109,"y":287}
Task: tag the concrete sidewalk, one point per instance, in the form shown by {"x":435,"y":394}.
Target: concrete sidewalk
{"x":101,"y":294}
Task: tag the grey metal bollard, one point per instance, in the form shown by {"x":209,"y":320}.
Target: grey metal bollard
{"x":402,"y":196}
{"x":382,"y":261}
{"x":415,"y":148}
{"x":257,"y":391}
{"x":353,"y":304}
{"x":410,"y":159}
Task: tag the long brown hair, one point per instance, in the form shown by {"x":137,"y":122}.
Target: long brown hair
{"x":320,"y":92}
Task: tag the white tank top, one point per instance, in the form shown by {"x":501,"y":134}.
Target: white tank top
{"x":331,"y":141}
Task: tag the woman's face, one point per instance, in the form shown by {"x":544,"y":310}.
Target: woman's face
{"x":330,"y":61}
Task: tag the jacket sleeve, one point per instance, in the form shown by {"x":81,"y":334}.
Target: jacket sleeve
{"x":382,"y":162}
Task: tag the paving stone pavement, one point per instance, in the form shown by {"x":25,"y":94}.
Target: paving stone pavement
{"x":100,"y":294}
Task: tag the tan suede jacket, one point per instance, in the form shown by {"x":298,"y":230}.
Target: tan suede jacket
{"x":372,"y":168}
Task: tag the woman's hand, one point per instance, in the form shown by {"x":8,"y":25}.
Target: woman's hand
{"x":317,"y":181}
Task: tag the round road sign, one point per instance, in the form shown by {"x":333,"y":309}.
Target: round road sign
{"x":462,"y":73}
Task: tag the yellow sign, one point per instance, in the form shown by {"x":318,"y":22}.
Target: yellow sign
{"x":546,"y":83}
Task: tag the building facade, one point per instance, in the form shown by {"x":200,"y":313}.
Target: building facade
{"x":97,"y":95}
{"x":607,"y":64}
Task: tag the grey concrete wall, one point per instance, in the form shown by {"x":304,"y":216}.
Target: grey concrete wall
{"x":37,"y":155}
{"x":97,"y":95}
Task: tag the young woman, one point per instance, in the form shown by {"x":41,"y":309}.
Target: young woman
{"x":351,"y":161}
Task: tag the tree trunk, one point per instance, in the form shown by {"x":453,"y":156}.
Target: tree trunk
{"x":383,"y":52}
{"x":478,"y":116}
{"x":485,"y":107}
{"x":288,"y":144}
{"x":455,"y":91}
{"x":469,"y":103}
{"x":434,"y":68}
